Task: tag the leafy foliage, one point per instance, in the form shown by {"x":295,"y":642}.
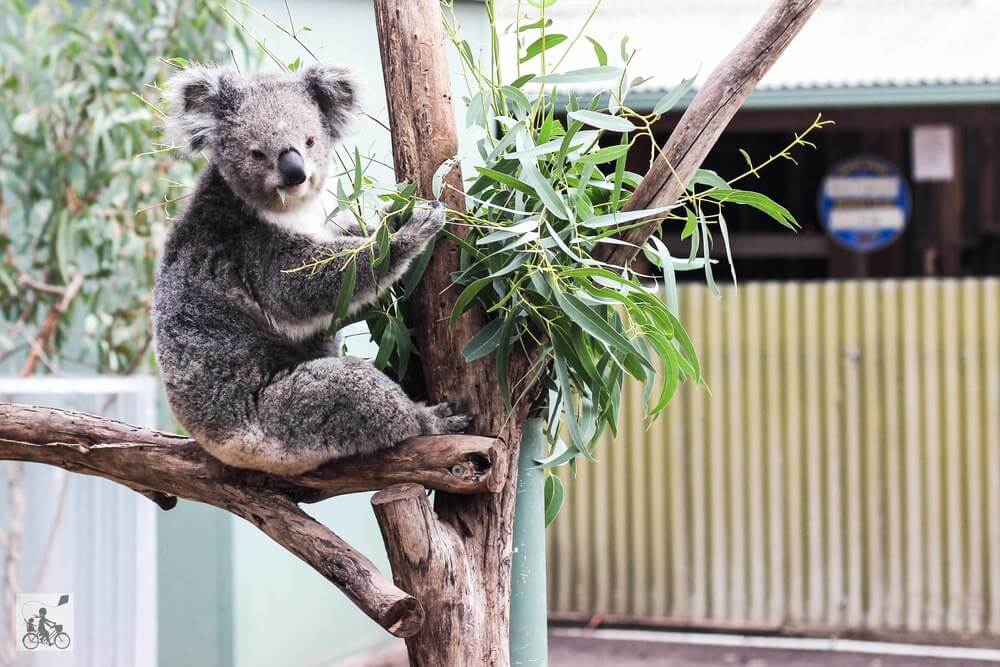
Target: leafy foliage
{"x":80,"y":189}
{"x":546,"y":183}
{"x":545,"y":193}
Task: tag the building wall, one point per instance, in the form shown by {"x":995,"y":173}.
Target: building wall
{"x":843,"y":475}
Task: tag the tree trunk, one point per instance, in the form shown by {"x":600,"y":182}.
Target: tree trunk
{"x":465,"y":581}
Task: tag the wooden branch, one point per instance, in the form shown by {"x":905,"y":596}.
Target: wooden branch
{"x":49,"y":325}
{"x":164,"y":467}
{"x":159,"y":462}
{"x":282,"y":520}
{"x":427,"y":559}
{"x":702,"y":124}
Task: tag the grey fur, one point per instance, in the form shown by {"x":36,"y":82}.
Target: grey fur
{"x":241,"y":344}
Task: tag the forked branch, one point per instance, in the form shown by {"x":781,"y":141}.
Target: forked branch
{"x":724,"y":92}
{"x":164,"y":467}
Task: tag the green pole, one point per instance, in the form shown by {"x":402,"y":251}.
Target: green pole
{"x":528,"y":608}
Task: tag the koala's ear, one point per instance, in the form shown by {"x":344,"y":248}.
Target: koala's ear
{"x":337,"y":92}
{"x":199,"y":98}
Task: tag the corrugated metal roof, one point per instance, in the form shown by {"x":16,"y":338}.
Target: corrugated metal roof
{"x":849,"y":45}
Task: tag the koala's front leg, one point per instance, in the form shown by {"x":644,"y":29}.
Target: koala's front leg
{"x":406,"y":245}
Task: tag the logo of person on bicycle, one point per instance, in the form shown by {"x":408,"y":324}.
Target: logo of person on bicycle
{"x":44,"y":621}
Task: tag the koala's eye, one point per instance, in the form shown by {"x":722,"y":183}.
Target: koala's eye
{"x":258,"y":155}
{"x":310,"y":142}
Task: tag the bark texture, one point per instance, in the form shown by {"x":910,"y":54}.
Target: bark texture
{"x":164,"y":467}
{"x":465,"y":583}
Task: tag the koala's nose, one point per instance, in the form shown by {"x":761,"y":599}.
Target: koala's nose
{"x":292,"y":167}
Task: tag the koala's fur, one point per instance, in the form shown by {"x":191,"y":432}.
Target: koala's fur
{"x":241,"y":344}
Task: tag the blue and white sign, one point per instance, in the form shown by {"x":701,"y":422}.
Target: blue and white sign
{"x":864,"y":203}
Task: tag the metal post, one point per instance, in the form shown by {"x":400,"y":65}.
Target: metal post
{"x":528,"y":604}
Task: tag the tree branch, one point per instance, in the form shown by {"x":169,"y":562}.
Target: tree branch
{"x":164,"y":467}
{"x":702,"y":124}
{"x":427,"y":558}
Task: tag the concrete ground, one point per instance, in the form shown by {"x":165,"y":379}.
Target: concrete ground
{"x":579,"y":647}
{"x":572,"y":647}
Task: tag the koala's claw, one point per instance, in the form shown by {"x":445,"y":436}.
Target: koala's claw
{"x":442,"y":419}
{"x":458,"y":423}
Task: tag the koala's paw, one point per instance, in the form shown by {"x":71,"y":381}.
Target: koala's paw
{"x":441,"y":418}
{"x":425,"y":222}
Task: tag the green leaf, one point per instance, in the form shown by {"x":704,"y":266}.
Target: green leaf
{"x":484,"y":343}
{"x":758,"y":201}
{"x":622,"y":217}
{"x":561,"y":455}
{"x":585,"y":75}
{"x":535,"y":25}
{"x":669,"y":278}
{"x":346,"y":291}
{"x":528,"y":225}
{"x":706,"y":248}
{"x":667,"y":102}
{"x":616,"y":194}
{"x":358,"y":180}
{"x":602,"y":55}
{"x":404,"y":346}
{"x":554,"y":495}
{"x":606,"y":154}
{"x":503,"y":357}
{"x":465,"y":299}
{"x":520,"y":100}
{"x":521,"y":80}
{"x":566,"y":389}
{"x":725,"y":241}
{"x":437,"y":181}
{"x":505,"y":179}
{"x":535,"y":151}
{"x":595,"y":325}
{"x":690,"y":225}
{"x":416,"y":271}
{"x":540,"y":185}
{"x":602,"y":120}
{"x":709,"y":178}
{"x":385,"y":347}
{"x":542,"y":44}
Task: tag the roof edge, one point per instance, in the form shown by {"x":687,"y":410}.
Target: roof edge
{"x":857,"y":96}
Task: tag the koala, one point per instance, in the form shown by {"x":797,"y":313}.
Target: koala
{"x":241,"y":343}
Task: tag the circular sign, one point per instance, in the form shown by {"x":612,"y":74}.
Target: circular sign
{"x":864,"y":203}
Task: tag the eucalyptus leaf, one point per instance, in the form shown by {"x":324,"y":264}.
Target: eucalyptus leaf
{"x":667,"y":102}
{"x":553,"y":495}
{"x":602,"y":120}
{"x":585,"y":75}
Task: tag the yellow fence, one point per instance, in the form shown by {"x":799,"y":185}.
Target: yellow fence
{"x":843,"y":476}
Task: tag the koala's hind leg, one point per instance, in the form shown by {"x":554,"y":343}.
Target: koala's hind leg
{"x":334,"y":407}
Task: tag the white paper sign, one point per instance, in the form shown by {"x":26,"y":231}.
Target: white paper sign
{"x":933,"y":153}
